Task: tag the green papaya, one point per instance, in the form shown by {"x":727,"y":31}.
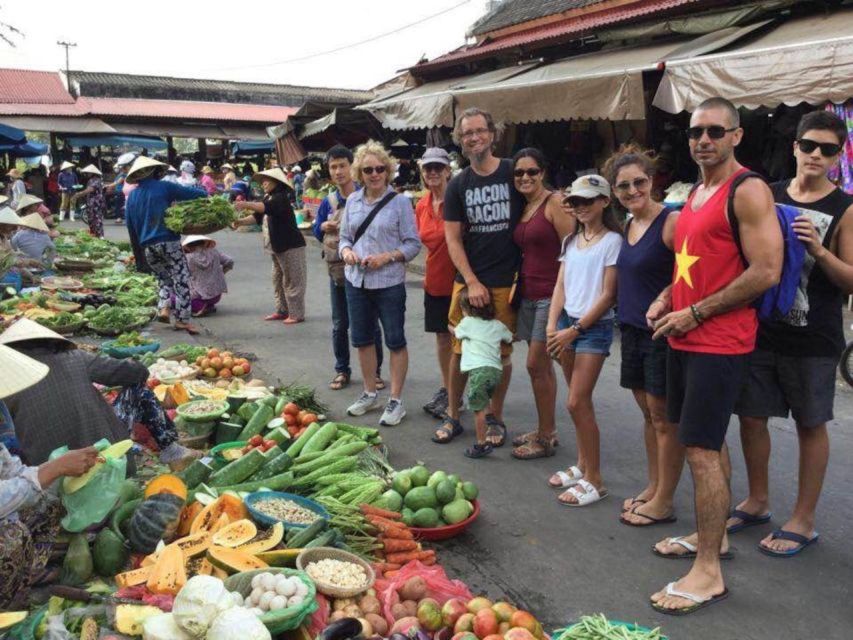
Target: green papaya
{"x":109,"y":553}
{"x":77,"y":566}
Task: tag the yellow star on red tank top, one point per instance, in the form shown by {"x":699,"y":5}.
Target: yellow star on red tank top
{"x":683,"y":262}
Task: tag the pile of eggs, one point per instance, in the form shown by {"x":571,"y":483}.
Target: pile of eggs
{"x":271,"y":592}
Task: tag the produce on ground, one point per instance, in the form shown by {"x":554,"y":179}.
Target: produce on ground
{"x":216,"y":364}
{"x":215,"y":211}
{"x":132,"y":339}
{"x":164,"y":369}
{"x":338,"y":573}
{"x":286,"y":510}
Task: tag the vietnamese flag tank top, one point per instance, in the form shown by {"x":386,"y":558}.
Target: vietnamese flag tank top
{"x":707,"y":259}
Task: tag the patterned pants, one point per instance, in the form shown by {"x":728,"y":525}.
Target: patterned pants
{"x":96,"y":224}
{"x":169,"y":264}
{"x":138,"y":404}
{"x":25,"y":546}
{"x":289,"y":278}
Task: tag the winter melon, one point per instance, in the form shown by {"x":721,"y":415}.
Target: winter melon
{"x":233,"y":561}
{"x":235,"y":534}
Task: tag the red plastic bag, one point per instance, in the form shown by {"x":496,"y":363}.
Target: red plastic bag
{"x":439,"y":586}
{"x":320,"y":618}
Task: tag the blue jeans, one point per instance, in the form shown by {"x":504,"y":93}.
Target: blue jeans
{"x":387,"y":305}
{"x":340,"y":331}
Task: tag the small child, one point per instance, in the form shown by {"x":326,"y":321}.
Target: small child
{"x":481,"y":336}
{"x":208,"y":267}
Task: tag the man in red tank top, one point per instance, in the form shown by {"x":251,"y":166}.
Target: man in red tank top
{"x":711,"y":330}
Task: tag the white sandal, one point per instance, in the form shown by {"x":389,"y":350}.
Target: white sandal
{"x":567,"y":480}
{"x":589,"y":496}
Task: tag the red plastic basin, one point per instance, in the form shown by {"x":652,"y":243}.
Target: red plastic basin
{"x":451,"y":530}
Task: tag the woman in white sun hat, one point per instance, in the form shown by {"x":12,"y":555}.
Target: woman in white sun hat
{"x":16,"y":189}
{"x":29,"y":515}
{"x":146,"y":213}
{"x":96,"y":199}
{"x":208,"y":267}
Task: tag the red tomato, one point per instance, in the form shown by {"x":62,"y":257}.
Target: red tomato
{"x":291,"y":408}
{"x":269,"y":444}
{"x":256,"y":440}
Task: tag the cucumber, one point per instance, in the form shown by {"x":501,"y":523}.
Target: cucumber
{"x":228,"y":432}
{"x":280,"y":404}
{"x":294,"y":449}
{"x":277,"y":465}
{"x":280,"y":435}
{"x":247,"y":410}
{"x":320,"y":439}
{"x":325,"y":539}
{"x":270,"y":401}
{"x":257,"y":422}
{"x":307,"y":534}
{"x":196,"y":473}
{"x":277,"y":483}
{"x":275,"y":423}
{"x":238,"y":470}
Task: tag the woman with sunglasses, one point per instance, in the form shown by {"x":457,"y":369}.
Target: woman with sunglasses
{"x":438,"y":279}
{"x":644,"y":271}
{"x":580,"y":328}
{"x":378,"y":237}
{"x":539,"y":234}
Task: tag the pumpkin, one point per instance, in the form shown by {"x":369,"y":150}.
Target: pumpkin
{"x":233,"y":561}
{"x":187,"y":516}
{"x":134,"y":577}
{"x":77,"y":566}
{"x":179,"y":394}
{"x":166,"y":483}
{"x":235,"y":534}
{"x":224,"y":504}
{"x":155,"y":519}
{"x":264,"y":540}
{"x":109,"y":553}
{"x":168,"y":574}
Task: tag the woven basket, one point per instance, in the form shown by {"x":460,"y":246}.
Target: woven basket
{"x":283,"y":619}
{"x":316,"y":554}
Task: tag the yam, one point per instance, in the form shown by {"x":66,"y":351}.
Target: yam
{"x":415,"y":588}
{"x":398,"y":611}
{"x":337,"y":615}
{"x":411,"y":608}
{"x":379,"y":624}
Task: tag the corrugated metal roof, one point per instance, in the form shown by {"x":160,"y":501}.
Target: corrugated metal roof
{"x":24,"y":86}
{"x":511,"y":12}
{"x":185,"y":109}
{"x":562,"y":29}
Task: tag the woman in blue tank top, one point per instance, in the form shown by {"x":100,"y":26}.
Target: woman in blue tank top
{"x":644,"y":271}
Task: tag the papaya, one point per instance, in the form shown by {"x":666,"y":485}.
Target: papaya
{"x":235,"y":534}
{"x":233,"y":561}
{"x":77,"y":566}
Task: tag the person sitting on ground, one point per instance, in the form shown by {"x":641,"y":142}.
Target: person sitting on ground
{"x":481,"y":336}
{"x":66,"y":409}
{"x":29,"y":514}
{"x":33,"y":204}
{"x":33,"y":240}
{"x":206,"y":182}
{"x":208,"y":267}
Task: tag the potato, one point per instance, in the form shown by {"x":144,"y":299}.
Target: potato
{"x":337,"y":615}
{"x":353,"y":611}
{"x":411,"y":608}
{"x":340,"y":603}
{"x":370,"y":604}
{"x":415,"y":588}
{"x":366,"y":628}
{"x":398,"y":611}
{"x":379,"y":624}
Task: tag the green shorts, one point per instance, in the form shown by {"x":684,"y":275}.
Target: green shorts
{"x":482,"y":383}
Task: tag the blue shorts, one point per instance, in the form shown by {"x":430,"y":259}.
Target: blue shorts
{"x":597,"y":339}
{"x":365,"y":306}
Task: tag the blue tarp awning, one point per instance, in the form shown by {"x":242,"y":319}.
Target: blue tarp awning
{"x":24,"y":150}
{"x":113,"y":140}
{"x":251,"y":147}
{"x":11,"y":135}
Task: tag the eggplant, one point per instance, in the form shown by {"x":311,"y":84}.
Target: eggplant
{"x":422,"y":635}
{"x":343,"y":629}
{"x":399,"y":636}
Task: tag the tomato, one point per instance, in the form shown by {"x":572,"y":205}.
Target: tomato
{"x":153,"y":383}
{"x":269,"y":444}
{"x":256,"y":440}
{"x":290,"y":419}
{"x":291,"y":409}
{"x":308,"y":419}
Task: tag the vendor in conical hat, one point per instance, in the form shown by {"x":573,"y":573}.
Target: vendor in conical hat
{"x":145,"y":217}
{"x":29,"y":516}
{"x":33,"y":240}
{"x":95,"y":194}
{"x":208,"y":267}
{"x":66,"y":409}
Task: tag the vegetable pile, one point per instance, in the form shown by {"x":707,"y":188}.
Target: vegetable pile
{"x":215,"y":211}
{"x":224,"y":365}
{"x":131,"y":339}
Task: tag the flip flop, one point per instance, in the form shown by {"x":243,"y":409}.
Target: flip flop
{"x":163,"y":318}
{"x":450,"y":427}
{"x":691,"y":551}
{"x":495,"y":428}
{"x":479,"y":450}
{"x":781,"y":534}
{"x":380,"y":383}
{"x":635,"y":502}
{"x":589,"y":496}
{"x":651,"y":521}
{"x":747,"y":520}
{"x":567,"y":480}
{"x":700,"y":602}
{"x":340,"y":381}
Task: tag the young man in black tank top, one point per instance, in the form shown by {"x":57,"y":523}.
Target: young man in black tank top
{"x":793,"y":366}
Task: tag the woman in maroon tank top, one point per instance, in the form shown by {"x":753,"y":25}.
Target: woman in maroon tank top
{"x":539,"y":234}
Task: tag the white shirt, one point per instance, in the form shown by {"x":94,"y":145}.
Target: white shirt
{"x":583,"y":278}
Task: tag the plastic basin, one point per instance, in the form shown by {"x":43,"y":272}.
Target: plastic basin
{"x":268,"y":521}
{"x":451,"y":530}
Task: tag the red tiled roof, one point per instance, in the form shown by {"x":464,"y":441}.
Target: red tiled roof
{"x":185,"y":109}
{"x":39,"y":109}
{"x":556,"y":30}
{"x":24,"y":86}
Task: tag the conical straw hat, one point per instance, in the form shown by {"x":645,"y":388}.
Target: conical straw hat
{"x":28,"y":200}
{"x":34,"y":221}
{"x":26,"y":329}
{"x":66,"y":165}
{"x":17,"y":371}
{"x":91,"y":169}
{"x":276,"y":174}
{"x":140,"y":164}
{"x":7,"y":216}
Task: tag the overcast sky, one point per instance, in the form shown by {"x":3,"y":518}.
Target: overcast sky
{"x":237,"y":40}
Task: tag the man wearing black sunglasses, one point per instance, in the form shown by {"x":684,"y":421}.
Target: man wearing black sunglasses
{"x":793,"y":367}
{"x":712,"y":330}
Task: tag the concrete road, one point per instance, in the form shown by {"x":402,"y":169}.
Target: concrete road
{"x":526,"y":548}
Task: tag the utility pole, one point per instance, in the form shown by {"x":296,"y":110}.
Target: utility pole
{"x":67,"y":46}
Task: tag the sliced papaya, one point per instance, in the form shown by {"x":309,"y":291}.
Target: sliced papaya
{"x":169,"y":573}
{"x":235,"y":534}
{"x":279,"y":557}
{"x":166,"y":483}
{"x":222,"y":522}
{"x":199,"y":567}
{"x":194,"y":545}
{"x":225,"y":504}
{"x":11,"y":618}
{"x":233,"y":561}
{"x":188,"y":515}
{"x":264,"y":540}
{"x":134,"y":577}
{"x":219,"y":573}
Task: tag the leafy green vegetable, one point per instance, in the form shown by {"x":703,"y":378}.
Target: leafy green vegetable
{"x":215,"y":211}
{"x":131,"y":339}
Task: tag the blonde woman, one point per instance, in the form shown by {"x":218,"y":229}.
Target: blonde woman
{"x":378,"y":236}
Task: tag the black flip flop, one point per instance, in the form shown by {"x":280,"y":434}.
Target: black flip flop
{"x":747,"y":520}
{"x":635,"y":502}
{"x":493,"y":423}
{"x":479,"y":450}
{"x":651,"y":521}
{"x":451,"y":427}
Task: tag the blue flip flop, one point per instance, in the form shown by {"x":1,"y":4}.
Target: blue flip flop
{"x":747,"y":520}
{"x":781,"y":534}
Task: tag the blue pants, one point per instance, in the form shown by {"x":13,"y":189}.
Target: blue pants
{"x":340,"y":331}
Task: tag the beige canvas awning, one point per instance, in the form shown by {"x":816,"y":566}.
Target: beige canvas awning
{"x":604,"y":84}
{"x":58,"y":124}
{"x":431,"y":105}
{"x":803,"y":60}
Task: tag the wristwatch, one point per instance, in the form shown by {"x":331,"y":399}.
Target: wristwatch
{"x":576,"y":325}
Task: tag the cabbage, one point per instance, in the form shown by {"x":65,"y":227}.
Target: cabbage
{"x":162,"y":627}
{"x":200,"y":600}
{"x":238,"y":623}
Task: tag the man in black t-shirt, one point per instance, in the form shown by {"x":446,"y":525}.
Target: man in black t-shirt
{"x":481,"y":208}
{"x":793,"y":366}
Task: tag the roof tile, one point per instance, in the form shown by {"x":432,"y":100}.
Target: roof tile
{"x":24,"y":86}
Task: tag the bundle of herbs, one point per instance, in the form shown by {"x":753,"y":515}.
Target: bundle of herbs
{"x":210,"y":213}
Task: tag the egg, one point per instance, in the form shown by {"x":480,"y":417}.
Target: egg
{"x":265,"y":600}
{"x":279,"y":602}
{"x":268,"y":581}
{"x":301,"y":589}
{"x":295,"y":601}
{"x":255,"y":597}
{"x":256,"y":581}
{"x":285,"y":588}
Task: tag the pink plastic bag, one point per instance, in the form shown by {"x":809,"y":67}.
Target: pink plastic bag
{"x":439,"y":586}
{"x":320,"y":618}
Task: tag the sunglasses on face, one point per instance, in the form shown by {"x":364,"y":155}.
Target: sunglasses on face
{"x":435,"y":167}
{"x":827,"y":149}
{"x":530,"y":173}
{"x":715,"y":132}
{"x":576,"y":202}
{"x":638,"y":183}
{"x":369,"y":171}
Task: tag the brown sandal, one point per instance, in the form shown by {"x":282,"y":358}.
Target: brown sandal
{"x":380,"y":383}
{"x":524,"y":438}
{"x":533,"y":449}
{"x":340,"y":381}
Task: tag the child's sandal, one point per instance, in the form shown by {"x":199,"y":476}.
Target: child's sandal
{"x":479,"y":450}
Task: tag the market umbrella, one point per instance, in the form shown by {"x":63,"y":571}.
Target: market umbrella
{"x":24,"y":150}
{"x":11,"y":135}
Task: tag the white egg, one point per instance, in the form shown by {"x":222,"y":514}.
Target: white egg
{"x":285,"y":588}
{"x":279,"y":602}
{"x":265,"y":600}
{"x":281,"y":578}
{"x":295,"y":601}
{"x":257,"y":612}
{"x":268,"y":581}
{"x":301,"y":589}
{"x":257,"y":592}
{"x":238,"y":598}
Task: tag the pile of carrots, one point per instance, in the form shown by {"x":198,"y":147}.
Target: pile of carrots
{"x":398,"y":542}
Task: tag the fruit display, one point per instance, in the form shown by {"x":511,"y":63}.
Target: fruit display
{"x":429,"y":500}
{"x":216,"y":364}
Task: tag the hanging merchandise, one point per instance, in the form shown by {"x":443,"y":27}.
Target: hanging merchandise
{"x":843,"y":173}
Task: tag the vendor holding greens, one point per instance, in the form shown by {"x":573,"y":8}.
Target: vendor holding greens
{"x":29,"y":515}
{"x":145,"y":215}
{"x":283,"y":240}
{"x":66,"y":409}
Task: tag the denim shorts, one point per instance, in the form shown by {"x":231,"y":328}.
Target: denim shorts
{"x":366,"y":306}
{"x":596,"y":339}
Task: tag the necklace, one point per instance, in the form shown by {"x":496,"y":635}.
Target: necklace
{"x":593,"y":236}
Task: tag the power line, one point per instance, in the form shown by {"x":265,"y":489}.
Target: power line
{"x":346,"y":46}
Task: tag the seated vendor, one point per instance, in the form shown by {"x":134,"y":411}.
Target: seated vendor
{"x":66,"y":409}
{"x":208,"y":267}
{"x":32,"y":204}
{"x":9,"y":222}
{"x":34,"y":241}
{"x":29,"y":515}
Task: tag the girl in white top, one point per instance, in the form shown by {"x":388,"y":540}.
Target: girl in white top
{"x":580,"y":327}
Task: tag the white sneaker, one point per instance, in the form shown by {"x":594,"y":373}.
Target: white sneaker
{"x":364,"y":404}
{"x":393,"y":414}
{"x":72,"y":217}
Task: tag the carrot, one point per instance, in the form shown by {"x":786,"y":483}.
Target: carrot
{"x":383,"y":567}
{"x":391,"y":529}
{"x":404,"y":557}
{"x":391,"y":545}
{"x":397,"y":534}
{"x":391,"y":574}
{"x":367,"y":509}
